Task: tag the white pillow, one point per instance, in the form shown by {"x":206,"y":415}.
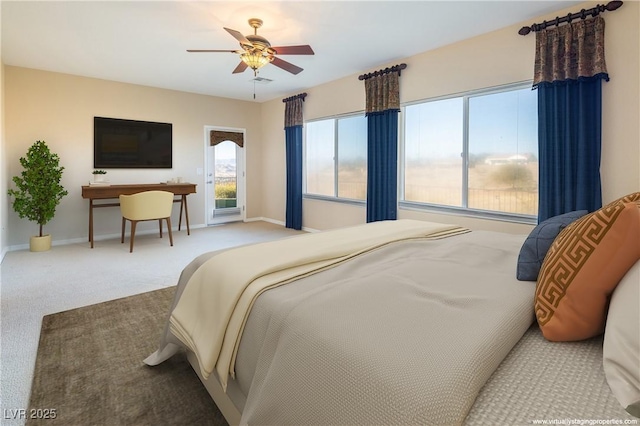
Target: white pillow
{"x":621,"y":348}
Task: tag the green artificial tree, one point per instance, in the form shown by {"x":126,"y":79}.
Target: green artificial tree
{"x":38,"y":190}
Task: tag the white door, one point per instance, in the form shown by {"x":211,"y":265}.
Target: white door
{"x":225,"y":183}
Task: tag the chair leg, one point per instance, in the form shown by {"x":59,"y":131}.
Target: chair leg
{"x":170,"y":232}
{"x":133,"y":234}
{"x":122,"y":236}
{"x":160,"y":225}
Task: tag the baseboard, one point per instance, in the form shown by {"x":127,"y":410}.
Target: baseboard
{"x":265,"y":219}
{"x":277,"y":222}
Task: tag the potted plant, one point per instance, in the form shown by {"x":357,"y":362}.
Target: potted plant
{"x":38,"y":190}
{"x":99,"y":175}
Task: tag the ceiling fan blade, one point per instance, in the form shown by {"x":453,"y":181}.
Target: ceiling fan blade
{"x":294,"y":50}
{"x":238,"y":36}
{"x":287,"y":66}
{"x":240,"y":68}
{"x":206,"y":50}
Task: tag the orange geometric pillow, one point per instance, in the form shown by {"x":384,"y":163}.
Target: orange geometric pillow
{"x":582,"y":268}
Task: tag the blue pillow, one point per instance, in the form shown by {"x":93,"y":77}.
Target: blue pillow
{"x":537,"y":244}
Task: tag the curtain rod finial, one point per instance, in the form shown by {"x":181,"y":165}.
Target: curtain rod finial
{"x":613,"y":5}
{"x":524,"y":30}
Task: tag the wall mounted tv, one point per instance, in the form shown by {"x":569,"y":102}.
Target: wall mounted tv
{"x":119,"y":143}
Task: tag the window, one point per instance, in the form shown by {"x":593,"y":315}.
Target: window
{"x":320,"y":154}
{"x":476,"y":152}
{"x":336,"y":157}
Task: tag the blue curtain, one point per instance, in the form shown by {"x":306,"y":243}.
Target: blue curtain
{"x":568,"y":72}
{"x":569,"y":140}
{"x":382,"y":165}
{"x":293,"y":136}
{"x":293,"y":146}
{"x":382,"y":95}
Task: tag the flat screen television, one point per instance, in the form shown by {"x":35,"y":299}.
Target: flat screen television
{"x":119,"y":143}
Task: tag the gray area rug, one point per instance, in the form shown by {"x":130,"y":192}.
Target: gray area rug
{"x":89,"y":369}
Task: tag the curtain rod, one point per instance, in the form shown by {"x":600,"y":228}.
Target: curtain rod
{"x":293,"y":98}
{"x":594,"y":11}
{"x":398,"y":68}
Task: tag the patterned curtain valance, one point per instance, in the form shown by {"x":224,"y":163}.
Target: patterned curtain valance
{"x":570,"y":52}
{"x":217,"y":136}
{"x":293,"y":110}
{"x":382,"y":92}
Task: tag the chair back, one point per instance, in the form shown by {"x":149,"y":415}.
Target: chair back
{"x":146,"y":205}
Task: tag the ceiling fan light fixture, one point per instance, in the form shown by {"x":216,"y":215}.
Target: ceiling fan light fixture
{"x":254,"y":60}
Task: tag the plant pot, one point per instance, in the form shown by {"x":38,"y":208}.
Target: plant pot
{"x":40,"y":243}
{"x":99,"y":178}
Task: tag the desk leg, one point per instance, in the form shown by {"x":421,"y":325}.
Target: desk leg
{"x":182,"y":200}
{"x":91,"y":221}
{"x":186,"y":213}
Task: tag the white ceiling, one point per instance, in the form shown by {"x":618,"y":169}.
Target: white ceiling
{"x":144,"y":42}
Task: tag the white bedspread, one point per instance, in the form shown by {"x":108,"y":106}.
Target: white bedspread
{"x":212,"y":310}
{"x":405,"y":334}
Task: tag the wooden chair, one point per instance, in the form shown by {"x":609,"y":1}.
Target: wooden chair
{"x":148,"y":205}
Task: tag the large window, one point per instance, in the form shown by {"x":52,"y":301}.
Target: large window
{"x":474,"y":152}
{"x":336,"y":157}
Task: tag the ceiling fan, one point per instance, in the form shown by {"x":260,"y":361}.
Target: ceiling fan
{"x":257,"y":52}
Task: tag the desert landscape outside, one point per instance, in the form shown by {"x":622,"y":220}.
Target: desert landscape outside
{"x":505,"y":187}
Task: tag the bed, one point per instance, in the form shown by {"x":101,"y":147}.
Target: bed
{"x":395,"y":322}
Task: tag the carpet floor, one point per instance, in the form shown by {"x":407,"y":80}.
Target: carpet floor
{"x":89,"y":369}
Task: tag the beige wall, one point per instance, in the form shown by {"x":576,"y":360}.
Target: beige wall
{"x":4,"y":205}
{"x":496,"y":58}
{"x":59,"y":109}
{"x":273,"y":177}
{"x":3,"y":167}
{"x":3,"y":171}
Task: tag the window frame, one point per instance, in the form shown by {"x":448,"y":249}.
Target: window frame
{"x":336,"y":159}
{"x":462,"y":210}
